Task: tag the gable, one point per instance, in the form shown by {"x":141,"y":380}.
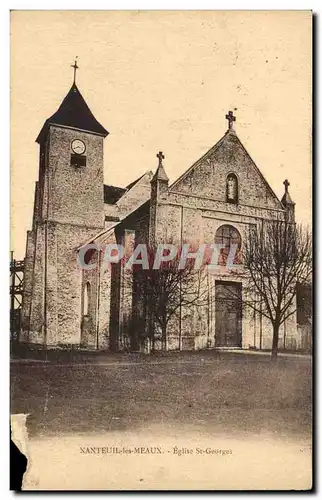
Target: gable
{"x":208,"y":176}
{"x":137,"y":193}
{"x":120,"y":202}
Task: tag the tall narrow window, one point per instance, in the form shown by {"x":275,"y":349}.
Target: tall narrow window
{"x":232,"y":189}
{"x":230,"y":237}
{"x":87,"y":294}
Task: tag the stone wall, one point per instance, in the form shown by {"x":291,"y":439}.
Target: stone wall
{"x":75,"y":194}
{"x":68,"y":210}
{"x":28,"y":285}
{"x":36,"y":333}
{"x":191,"y":211}
{"x":207,"y":177}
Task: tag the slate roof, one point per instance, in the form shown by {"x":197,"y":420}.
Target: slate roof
{"x":112,"y":194}
{"x":74,"y":112}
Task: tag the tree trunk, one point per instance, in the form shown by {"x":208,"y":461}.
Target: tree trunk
{"x":164,"y":338}
{"x":276,"y":329}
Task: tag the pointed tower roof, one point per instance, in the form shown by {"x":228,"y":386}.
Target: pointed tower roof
{"x":287,"y":200}
{"x":160,"y":174}
{"x":74,"y":112}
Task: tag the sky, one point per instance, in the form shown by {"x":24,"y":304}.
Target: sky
{"x":164,"y":80}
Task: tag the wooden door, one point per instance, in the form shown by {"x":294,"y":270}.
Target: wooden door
{"x":228,"y":325}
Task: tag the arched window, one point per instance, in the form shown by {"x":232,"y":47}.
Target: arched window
{"x":229,"y":236}
{"x":86,"y":299}
{"x":232,"y":189}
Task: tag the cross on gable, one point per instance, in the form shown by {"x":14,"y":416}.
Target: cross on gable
{"x":231,"y":119}
{"x":286,"y":184}
{"x":161,"y":157}
{"x":75,"y":68}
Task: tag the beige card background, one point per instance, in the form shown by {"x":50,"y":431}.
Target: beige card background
{"x":165,"y":80}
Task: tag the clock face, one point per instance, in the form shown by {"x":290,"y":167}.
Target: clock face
{"x":78,"y":147}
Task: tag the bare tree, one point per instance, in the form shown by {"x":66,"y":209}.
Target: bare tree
{"x":158,"y":294}
{"x":277,"y":257}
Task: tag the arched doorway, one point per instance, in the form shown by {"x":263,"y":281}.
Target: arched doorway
{"x":228,"y":294}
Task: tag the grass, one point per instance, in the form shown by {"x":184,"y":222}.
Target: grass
{"x":212,"y":392}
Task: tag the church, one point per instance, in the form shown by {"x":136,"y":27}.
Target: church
{"x":215,"y":200}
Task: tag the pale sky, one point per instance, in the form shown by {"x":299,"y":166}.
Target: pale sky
{"x":164,"y":80}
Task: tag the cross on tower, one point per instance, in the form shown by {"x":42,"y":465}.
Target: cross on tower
{"x":286,"y":184}
{"x":231,"y":118}
{"x":161,"y":157}
{"x":75,"y":68}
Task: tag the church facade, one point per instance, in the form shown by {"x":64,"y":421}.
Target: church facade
{"x":216,"y":200}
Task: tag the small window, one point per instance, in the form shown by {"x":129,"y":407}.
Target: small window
{"x":78,"y":160}
{"x":232,"y":189}
{"x":87,"y":296}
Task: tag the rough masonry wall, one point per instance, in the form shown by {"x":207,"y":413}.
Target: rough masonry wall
{"x":28,"y":284}
{"x":68,"y":210}
{"x":104,"y":307}
{"x":56,"y":316}
{"x":89,"y":292}
{"x":104,"y":300}
{"x":36,"y":322}
{"x":191,"y":212}
{"x":208,"y":177}
{"x":69,"y":285}
{"x":167,"y":224}
{"x":76,"y":194}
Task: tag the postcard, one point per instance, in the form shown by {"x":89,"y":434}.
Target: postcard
{"x":161,"y":250}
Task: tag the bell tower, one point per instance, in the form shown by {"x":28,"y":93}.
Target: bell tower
{"x":68,"y":210}
{"x":71,"y":164}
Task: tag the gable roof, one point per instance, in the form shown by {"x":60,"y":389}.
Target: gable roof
{"x":143,"y":209}
{"x":74,"y":112}
{"x":112,"y":194}
{"x":132,"y":184}
{"x":98,"y":236}
{"x":229,"y":133}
